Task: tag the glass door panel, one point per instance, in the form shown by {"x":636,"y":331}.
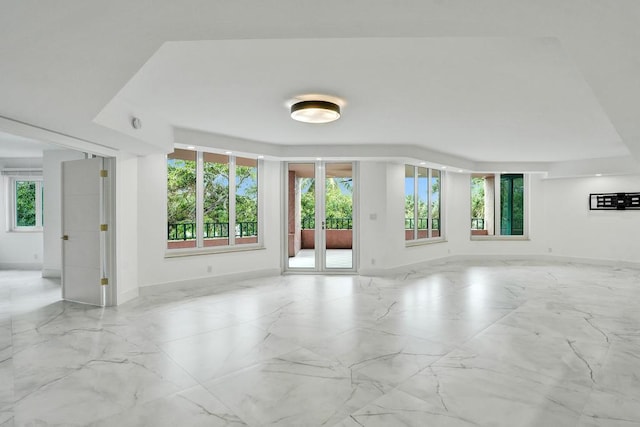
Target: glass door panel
{"x":301,"y":212}
{"x":320,"y":216}
{"x":338,"y":216}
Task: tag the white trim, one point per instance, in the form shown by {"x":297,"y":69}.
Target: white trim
{"x":260,"y":212}
{"x":199,"y":199}
{"x":231,"y":162}
{"x":11,"y":199}
{"x":393,"y":271}
{"x":231,"y":245}
{"x":205,"y":282}
{"x":497,"y":206}
{"x":416,"y":241}
{"x":51,"y":273}
{"x":182,"y":252}
{"x":128,"y":295}
{"x":20,"y":266}
{"x":319,"y":217}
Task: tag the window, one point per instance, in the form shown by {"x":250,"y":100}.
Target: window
{"x":212,"y":200}
{"x":26,"y":204}
{"x":498,"y":205}
{"x":422,"y":203}
{"x":181,"y":199}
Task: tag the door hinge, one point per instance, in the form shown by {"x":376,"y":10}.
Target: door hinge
{"x":103,"y":173}
{"x":104,"y":281}
{"x":104,"y":227}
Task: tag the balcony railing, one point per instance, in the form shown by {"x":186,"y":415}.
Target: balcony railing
{"x":422,"y":223}
{"x":477,"y":223}
{"x":212,"y":230}
{"x":330,"y":223}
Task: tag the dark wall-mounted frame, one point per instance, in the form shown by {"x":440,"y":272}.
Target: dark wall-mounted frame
{"x":614,"y":201}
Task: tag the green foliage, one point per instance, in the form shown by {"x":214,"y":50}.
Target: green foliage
{"x":339,"y":202}
{"x":216,"y":192}
{"x":181,"y":192}
{"x":246,"y":194}
{"x":477,"y":198}
{"x":423,"y":207}
{"x":25,"y":204}
{"x":409,"y":204}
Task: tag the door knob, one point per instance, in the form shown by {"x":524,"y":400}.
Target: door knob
{"x":65,"y":237}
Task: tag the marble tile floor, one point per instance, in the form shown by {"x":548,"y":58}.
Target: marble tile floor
{"x":482,"y":343}
{"x":335,"y":258}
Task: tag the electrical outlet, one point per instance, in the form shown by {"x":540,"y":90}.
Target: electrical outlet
{"x":209,"y":269}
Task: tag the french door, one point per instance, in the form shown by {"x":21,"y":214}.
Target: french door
{"x":321,"y":206}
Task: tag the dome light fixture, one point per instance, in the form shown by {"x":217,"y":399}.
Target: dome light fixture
{"x":315,"y":111}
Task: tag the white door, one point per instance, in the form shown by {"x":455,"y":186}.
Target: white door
{"x":321,"y":207}
{"x":83,"y":253}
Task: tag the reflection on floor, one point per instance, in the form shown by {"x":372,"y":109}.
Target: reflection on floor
{"x":336,"y":258}
{"x":459,"y":343}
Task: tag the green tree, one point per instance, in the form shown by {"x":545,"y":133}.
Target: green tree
{"x":216,"y":192}
{"x":181,"y":191}
{"x":338,"y":201}
{"x":477,"y":197}
{"x":25,"y":204}
{"x":246,"y":194}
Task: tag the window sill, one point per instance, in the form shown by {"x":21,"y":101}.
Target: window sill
{"x":177,"y":253}
{"x":26,"y":230}
{"x":503,"y":238}
{"x":423,"y":242}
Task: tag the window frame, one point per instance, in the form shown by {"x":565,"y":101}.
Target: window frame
{"x":13,"y":201}
{"x":497,"y":208}
{"x":231,"y":246}
{"x":417,"y":241}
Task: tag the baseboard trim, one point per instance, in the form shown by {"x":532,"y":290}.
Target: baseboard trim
{"x":403,"y":269}
{"x":206,"y":281}
{"x":51,"y":273}
{"x":209,"y":281}
{"x":127,"y":296}
{"x":20,"y":266}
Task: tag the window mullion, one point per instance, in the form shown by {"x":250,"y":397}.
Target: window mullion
{"x":497,"y":213}
{"x":416,"y":198}
{"x":232,"y":200}
{"x":38,"y":204}
{"x":14,"y":204}
{"x":429,"y":215}
{"x":199,"y":199}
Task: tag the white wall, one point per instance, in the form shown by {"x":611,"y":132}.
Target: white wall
{"x":558,"y":219}
{"x":459,"y":214}
{"x":155,"y":269}
{"x":373,"y":198}
{"x":18,"y":250}
{"x":382,"y":240}
{"x":572,"y":230}
{"x":51,"y":175}
{"x":126,"y":222}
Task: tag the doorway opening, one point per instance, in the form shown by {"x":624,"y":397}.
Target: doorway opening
{"x":320,"y":216}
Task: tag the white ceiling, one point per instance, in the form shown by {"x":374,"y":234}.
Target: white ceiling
{"x":486,"y":80}
{"x":486,"y":99}
{"x":12,"y":146}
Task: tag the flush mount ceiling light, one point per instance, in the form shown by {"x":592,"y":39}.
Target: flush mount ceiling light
{"x":315,"y":111}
